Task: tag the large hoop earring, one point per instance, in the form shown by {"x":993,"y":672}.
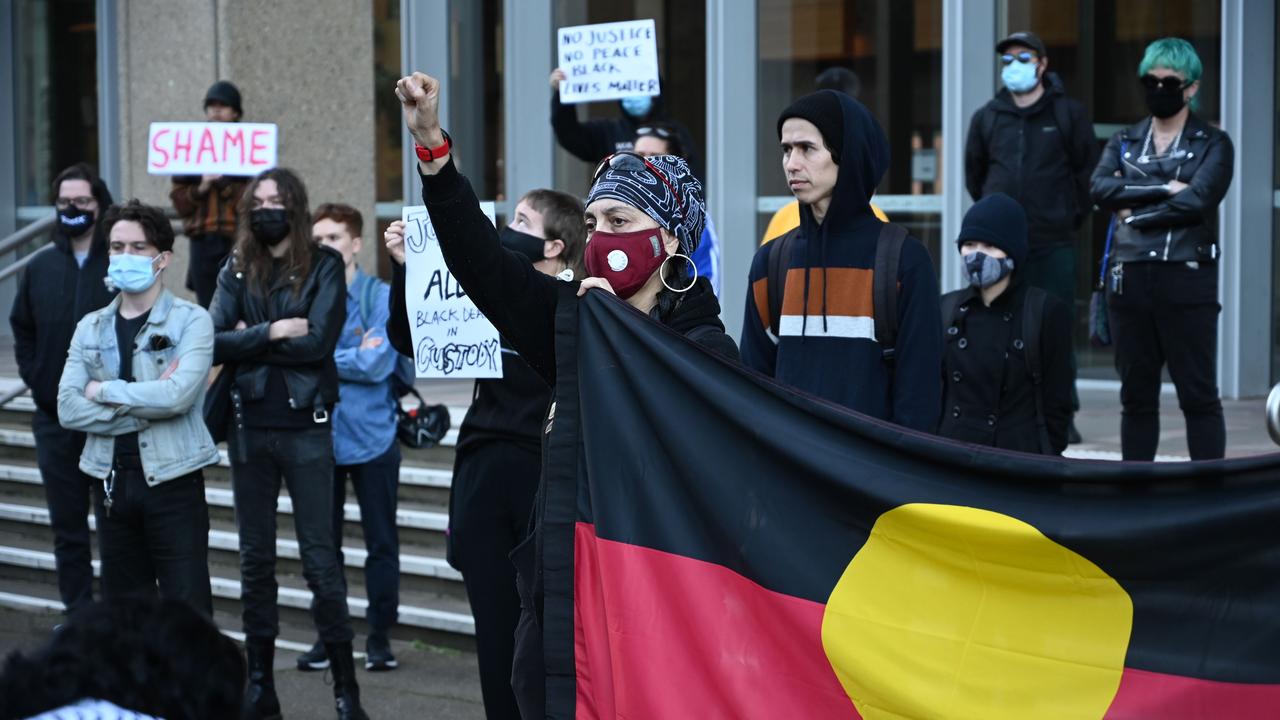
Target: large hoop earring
{"x":662,"y":273}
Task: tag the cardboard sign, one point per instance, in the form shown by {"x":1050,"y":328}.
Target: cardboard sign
{"x":451,"y":339}
{"x":608,"y":61}
{"x":198,"y":148}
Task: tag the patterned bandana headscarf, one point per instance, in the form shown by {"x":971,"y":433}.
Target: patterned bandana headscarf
{"x":636,"y":185}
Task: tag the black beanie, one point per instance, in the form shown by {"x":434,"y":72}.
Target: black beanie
{"x":823,"y":110}
{"x":997,"y":220}
{"x":225,"y":93}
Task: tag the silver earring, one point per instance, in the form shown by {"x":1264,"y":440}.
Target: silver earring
{"x":662,"y":273}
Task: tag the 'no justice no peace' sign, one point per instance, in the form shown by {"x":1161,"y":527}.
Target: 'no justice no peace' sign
{"x":608,"y":61}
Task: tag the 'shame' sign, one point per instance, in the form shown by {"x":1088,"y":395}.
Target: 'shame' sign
{"x":211,"y":148}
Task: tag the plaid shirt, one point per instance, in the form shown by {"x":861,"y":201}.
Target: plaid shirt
{"x":213,"y":212}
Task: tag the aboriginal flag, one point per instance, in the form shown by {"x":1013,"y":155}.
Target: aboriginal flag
{"x":716,"y":546}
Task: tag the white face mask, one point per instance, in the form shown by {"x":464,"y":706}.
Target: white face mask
{"x":1019,"y":77}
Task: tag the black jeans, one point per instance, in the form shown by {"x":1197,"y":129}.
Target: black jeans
{"x":67,"y":493}
{"x":155,"y":534}
{"x":1168,"y":313}
{"x":303,"y":459}
{"x":376,"y":483}
{"x":205,"y":259}
{"x":494,"y":484}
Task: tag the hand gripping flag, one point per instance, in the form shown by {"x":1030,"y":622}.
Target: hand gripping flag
{"x":716,"y":546}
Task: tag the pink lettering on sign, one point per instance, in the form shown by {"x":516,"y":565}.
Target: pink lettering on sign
{"x":163,"y":160}
{"x":254,"y":147}
{"x":206,"y":146}
{"x":180,"y":147}
{"x":231,"y":140}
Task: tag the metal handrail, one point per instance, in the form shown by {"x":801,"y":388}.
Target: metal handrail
{"x":1273,"y":414}
{"x":24,"y":234}
{"x":12,"y":393}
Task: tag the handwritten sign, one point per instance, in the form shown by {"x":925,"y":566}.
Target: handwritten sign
{"x":197,"y":148}
{"x":608,"y":61}
{"x":451,"y":339}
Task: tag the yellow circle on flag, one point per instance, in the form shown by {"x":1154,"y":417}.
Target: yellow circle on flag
{"x":955,"y":612}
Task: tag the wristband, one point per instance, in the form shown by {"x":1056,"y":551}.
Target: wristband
{"x":427,"y":155}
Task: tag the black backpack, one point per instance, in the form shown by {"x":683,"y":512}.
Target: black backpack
{"x":1033,"y":305}
{"x":884,"y":292}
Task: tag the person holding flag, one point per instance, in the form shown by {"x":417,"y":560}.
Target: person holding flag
{"x":644,"y":217}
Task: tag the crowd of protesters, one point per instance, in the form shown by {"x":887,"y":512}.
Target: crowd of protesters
{"x":309,"y":351}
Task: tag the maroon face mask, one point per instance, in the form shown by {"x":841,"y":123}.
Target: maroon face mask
{"x":626,"y":260}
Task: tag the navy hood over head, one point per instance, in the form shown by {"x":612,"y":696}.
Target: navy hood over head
{"x":825,"y":343}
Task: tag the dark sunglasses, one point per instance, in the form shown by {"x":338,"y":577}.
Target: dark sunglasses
{"x":1022,"y":57}
{"x":628,"y":161}
{"x":654,"y":131}
{"x":1171,"y":82}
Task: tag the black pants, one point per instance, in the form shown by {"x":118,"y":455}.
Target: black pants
{"x":493,"y":488}
{"x":155,"y":535}
{"x":376,"y":484}
{"x":303,"y":459}
{"x":1168,"y":313}
{"x":67,"y":494}
{"x":205,"y":259}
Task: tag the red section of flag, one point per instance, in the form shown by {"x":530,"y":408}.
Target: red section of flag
{"x":658,"y":635}
{"x":1144,"y":695}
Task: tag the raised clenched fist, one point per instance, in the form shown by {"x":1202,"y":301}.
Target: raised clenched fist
{"x":419,"y":96}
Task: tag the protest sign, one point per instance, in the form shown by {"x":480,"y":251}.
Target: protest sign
{"x":198,"y":148}
{"x":608,"y":61}
{"x":451,"y":339}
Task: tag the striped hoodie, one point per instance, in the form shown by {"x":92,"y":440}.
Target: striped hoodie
{"x":826,"y":344}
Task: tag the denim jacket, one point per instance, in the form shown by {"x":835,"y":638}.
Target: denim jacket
{"x":168,"y":414}
{"x":364,"y":421}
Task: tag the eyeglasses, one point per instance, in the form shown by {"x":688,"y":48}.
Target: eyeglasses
{"x":1022,"y":57}
{"x":1168,"y":82}
{"x":628,"y":161}
{"x":654,"y":131}
{"x":84,"y":203}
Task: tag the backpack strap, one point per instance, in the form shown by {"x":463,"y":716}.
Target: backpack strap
{"x":1033,"y":305}
{"x":884,"y":292}
{"x":779,"y":259}
{"x":1062,"y":118}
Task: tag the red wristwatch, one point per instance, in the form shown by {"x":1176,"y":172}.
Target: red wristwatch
{"x":426,"y":155}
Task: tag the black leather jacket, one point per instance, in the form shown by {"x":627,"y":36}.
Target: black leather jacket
{"x":309,"y":371}
{"x":1163,"y":227}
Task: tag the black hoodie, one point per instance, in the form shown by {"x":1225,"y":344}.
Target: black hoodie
{"x":54,"y":293}
{"x":594,"y":140}
{"x":826,"y":345}
{"x":1026,"y":154}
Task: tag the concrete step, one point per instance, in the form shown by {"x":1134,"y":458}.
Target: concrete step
{"x":26,"y":526}
{"x":421,"y":481}
{"x":425,"y":617}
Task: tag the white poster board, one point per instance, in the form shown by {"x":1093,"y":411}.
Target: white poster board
{"x":211,"y":148}
{"x":451,"y":339}
{"x":608,"y":61}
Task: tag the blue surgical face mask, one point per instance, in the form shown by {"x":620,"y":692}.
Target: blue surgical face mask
{"x":984,"y":270}
{"x":132,"y":273}
{"x":1019,"y":77}
{"x":637,"y":106}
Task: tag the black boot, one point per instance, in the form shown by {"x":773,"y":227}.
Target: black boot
{"x":346,"y":692}
{"x":260,"y":701}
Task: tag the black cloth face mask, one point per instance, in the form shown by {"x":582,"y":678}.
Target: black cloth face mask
{"x":269,"y":225}
{"x":75,"y":221}
{"x":531,"y":246}
{"x":1165,"y":102}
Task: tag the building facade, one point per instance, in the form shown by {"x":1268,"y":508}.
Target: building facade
{"x":88,"y":76}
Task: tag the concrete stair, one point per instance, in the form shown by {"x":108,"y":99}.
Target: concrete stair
{"x":433,"y":605}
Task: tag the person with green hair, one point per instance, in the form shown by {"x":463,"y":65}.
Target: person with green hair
{"x":1164,"y":178}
